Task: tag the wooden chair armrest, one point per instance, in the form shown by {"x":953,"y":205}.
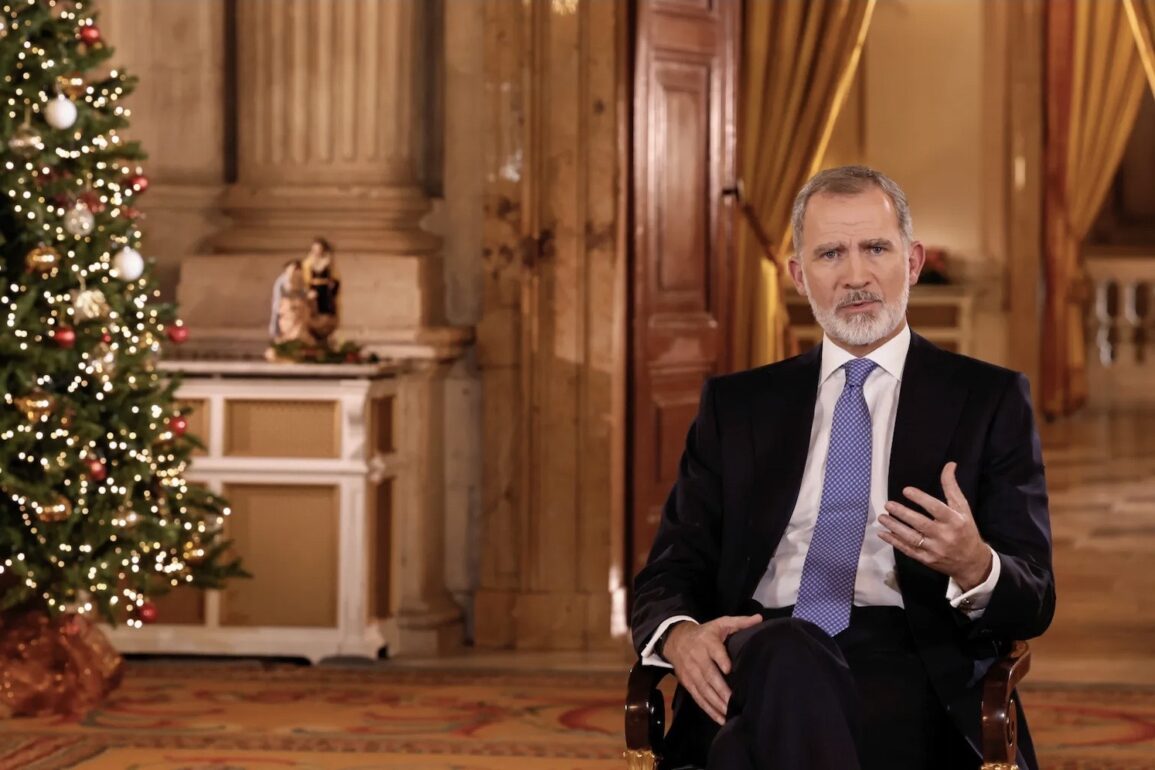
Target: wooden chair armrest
{"x":645,"y":715}
{"x":999,"y":717}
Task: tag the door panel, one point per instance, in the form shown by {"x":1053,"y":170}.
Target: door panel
{"x":683,"y":147}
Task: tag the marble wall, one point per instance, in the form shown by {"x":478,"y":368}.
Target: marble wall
{"x":551,"y":338}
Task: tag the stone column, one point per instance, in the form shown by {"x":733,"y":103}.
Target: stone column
{"x":552,"y":338}
{"x":329,"y":140}
{"x":329,"y":132}
{"x":329,"y":96}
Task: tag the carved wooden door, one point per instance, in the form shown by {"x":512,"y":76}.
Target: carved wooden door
{"x":685,"y":81}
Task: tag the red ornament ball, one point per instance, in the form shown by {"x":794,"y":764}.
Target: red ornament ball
{"x":64,"y":337}
{"x":97,"y":470}
{"x":106,"y":338}
{"x":93,"y":202}
{"x":138,"y":182}
{"x":90,"y":34}
{"x":147,"y":612}
{"x":178,"y":333}
{"x":178,"y":425}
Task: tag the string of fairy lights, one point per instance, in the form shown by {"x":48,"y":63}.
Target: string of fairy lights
{"x":86,"y":235}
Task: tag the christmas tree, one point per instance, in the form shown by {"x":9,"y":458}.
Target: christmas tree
{"x":96,"y":517}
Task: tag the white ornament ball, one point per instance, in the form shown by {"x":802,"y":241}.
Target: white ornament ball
{"x":79,"y":220}
{"x":60,"y":112}
{"x":129,"y":264}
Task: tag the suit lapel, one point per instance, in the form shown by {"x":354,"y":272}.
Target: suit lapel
{"x":929,"y":405}
{"x":780,"y":433}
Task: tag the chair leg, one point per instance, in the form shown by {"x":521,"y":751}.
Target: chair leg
{"x":640,"y":760}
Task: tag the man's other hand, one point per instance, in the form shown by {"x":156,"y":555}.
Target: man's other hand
{"x":698,"y":655}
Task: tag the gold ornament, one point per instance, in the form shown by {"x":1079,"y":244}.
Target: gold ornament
{"x":26,"y":141}
{"x":43,"y":260}
{"x":36,"y":405}
{"x":103,"y":362}
{"x":54,"y":512}
{"x":195,"y":552}
{"x":88,"y":305}
{"x":126,"y":518}
{"x":72,"y":86}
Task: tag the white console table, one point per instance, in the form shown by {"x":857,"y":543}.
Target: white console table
{"x":325,"y":472}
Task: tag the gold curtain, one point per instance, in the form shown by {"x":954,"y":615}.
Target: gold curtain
{"x":1141,"y":16}
{"x":799,"y":60}
{"x":1094,"y":84}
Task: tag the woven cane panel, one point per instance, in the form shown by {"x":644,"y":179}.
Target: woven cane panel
{"x":257,"y":428}
{"x":286,"y":536}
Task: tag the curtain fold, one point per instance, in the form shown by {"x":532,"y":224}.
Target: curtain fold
{"x":1095,"y":81}
{"x":1141,"y":16}
{"x":798,"y":62}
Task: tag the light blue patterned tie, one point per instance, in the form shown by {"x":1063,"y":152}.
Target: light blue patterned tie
{"x":827,"y":586}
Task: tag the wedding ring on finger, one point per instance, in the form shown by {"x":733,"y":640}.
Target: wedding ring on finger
{"x":921,"y":540}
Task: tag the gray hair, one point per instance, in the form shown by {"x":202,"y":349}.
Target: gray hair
{"x":851,"y":180}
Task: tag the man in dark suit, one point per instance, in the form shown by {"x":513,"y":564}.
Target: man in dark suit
{"x":856,"y":534}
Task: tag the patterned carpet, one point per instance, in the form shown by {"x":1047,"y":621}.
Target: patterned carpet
{"x":234,"y":716}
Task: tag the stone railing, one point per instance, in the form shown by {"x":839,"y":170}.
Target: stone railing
{"x":1121,"y":327}
{"x":1121,"y":318}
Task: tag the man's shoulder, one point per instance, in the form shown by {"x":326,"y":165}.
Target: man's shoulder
{"x":974,"y":370}
{"x":786,"y":373}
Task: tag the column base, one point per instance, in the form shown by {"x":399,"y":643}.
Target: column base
{"x":286,"y":218}
{"x":433,"y":633}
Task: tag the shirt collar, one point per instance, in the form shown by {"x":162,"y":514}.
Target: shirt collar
{"x":890,"y":356}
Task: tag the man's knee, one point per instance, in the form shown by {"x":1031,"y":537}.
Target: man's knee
{"x":788,"y":641}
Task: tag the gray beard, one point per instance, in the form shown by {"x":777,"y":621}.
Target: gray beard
{"x":862,"y":328}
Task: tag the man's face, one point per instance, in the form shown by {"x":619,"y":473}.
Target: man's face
{"x":854,"y":268}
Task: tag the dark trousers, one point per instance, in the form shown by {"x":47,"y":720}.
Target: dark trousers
{"x":860,"y":701}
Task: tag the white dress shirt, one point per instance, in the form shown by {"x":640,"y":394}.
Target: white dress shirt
{"x":877,"y":581}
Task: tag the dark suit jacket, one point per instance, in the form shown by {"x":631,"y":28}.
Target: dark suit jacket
{"x":739,"y":479}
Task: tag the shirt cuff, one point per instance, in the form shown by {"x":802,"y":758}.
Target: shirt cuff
{"x":974,"y":602}
{"x":649,"y":657}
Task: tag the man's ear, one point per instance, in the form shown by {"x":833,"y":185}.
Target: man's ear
{"x":796,"y":275}
{"x":915,"y":261}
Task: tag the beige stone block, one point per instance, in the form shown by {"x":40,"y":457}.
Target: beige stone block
{"x":503,"y":464}
{"x":598,"y":622}
{"x":377,"y":292}
{"x":495,"y":620}
{"x":551,"y":621}
{"x":178,"y":219}
{"x":499,"y":338}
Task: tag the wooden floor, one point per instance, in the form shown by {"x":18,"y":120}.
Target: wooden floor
{"x":1101,"y":477}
